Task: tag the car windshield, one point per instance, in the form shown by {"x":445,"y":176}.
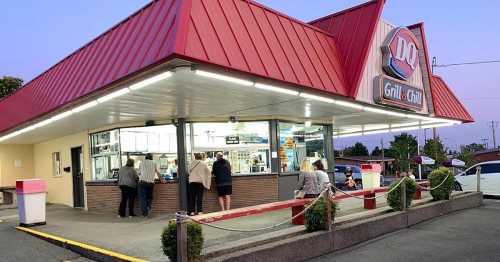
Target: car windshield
{"x":340,"y":169}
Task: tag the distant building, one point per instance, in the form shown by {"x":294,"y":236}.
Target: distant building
{"x":487,"y":155}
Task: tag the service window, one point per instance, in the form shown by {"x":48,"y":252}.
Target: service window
{"x":297,"y":142}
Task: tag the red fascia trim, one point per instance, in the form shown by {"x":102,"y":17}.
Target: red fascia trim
{"x":84,"y":46}
{"x":371,"y":33}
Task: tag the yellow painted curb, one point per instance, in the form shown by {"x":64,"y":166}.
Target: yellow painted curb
{"x":81,"y":245}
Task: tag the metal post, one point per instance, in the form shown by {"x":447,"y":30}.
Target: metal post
{"x":403,"y":194}
{"x":328,"y":209}
{"x":182,"y":244}
{"x":181,"y":163}
{"x":274,"y":142}
{"x":478,"y":179}
{"x":329,"y":150}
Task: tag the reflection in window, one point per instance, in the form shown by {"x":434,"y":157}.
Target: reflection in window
{"x":298,"y":142}
{"x":105,"y":153}
{"x":56,"y":164}
{"x":244,"y":144}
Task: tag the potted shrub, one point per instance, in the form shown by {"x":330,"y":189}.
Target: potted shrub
{"x":443,"y":178}
{"x":314,"y":218}
{"x":194,"y":236}
{"x":394,"y":197}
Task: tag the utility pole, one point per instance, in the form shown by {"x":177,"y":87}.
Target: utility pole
{"x":493,"y":126}
{"x":485,"y":142}
{"x":434,"y":64}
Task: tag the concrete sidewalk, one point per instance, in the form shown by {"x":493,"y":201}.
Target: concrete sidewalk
{"x":140,"y":237}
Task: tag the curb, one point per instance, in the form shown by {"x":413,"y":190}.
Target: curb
{"x":86,"y":250}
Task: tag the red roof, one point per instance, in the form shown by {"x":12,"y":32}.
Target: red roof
{"x":354,"y":30}
{"x":238,"y":34}
{"x":446,"y":104}
{"x":241,"y":35}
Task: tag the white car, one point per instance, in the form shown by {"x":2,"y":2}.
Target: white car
{"x":490,"y":178}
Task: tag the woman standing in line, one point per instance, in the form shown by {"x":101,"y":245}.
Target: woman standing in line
{"x":308,"y":180}
{"x":200,"y":179}
{"x":323,"y":178}
{"x":127,"y":181}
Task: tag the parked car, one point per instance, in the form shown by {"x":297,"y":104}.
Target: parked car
{"x":356,"y":175}
{"x":490,"y":178}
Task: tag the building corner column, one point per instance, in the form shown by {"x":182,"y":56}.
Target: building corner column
{"x":329,"y":151}
{"x":182,"y":173}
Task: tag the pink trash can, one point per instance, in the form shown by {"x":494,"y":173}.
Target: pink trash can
{"x":31,"y":194}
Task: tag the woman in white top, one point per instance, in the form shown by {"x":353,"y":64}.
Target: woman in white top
{"x":323,"y":178}
{"x":200,"y":178}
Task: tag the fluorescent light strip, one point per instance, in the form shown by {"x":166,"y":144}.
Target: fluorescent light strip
{"x":276,"y":89}
{"x":224,"y":78}
{"x":383,"y":112}
{"x":151,"y":80}
{"x":114,"y":95}
{"x":376,"y":132}
{"x":405,"y":129}
{"x":349,"y":135}
{"x":348,"y":104}
{"x":62,"y":115}
{"x":85,"y":106}
{"x":318,"y":98}
{"x":308,"y":123}
{"x":405,"y":124}
{"x":438,"y":125}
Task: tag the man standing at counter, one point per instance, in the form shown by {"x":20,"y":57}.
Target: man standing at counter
{"x":221,"y":169}
{"x":148,"y":171}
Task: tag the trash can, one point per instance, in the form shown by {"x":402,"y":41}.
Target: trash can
{"x":31,"y":201}
{"x":370,"y":175}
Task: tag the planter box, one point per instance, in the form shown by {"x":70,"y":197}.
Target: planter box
{"x":306,"y":246}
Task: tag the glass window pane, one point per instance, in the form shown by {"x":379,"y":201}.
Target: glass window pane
{"x":244,"y":144}
{"x":298,"y":142}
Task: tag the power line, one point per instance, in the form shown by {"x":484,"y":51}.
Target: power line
{"x":467,"y":63}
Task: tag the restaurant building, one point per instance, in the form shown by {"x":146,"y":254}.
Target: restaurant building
{"x":184,"y":76}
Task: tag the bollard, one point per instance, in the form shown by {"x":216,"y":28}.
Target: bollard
{"x":328,"y":209}
{"x":369,"y":201}
{"x":418,"y":193}
{"x":403,"y":195}
{"x":181,"y":237}
{"x":478,"y":178}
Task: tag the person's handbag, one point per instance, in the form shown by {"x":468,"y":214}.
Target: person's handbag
{"x":299,"y":194}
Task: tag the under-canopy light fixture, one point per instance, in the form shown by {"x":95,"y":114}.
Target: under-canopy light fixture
{"x":276,"y":89}
{"x":113,"y":95}
{"x":383,"y":112}
{"x":308,"y":123}
{"x":349,"y":104}
{"x":318,"y":98}
{"x":374,"y":132}
{"x":85,"y":106}
{"x":62,"y":115}
{"x":151,"y":80}
{"x":224,"y":78}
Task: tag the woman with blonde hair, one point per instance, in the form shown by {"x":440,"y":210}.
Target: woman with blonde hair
{"x":308,"y":180}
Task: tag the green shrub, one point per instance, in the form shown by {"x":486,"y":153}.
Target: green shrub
{"x":394,"y":197}
{"x":315,"y":216}
{"x":195,"y":241}
{"x":437,"y":177}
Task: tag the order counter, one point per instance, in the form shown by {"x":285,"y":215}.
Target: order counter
{"x":248,"y":190}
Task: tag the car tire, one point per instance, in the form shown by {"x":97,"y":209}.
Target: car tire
{"x":457,"y":187}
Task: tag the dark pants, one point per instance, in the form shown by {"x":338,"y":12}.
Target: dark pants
{"x":146,"y":196}
{"x":128,"y":195}
{"x":195,"y":198}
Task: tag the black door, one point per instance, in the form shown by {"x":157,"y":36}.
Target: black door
{"x":77,"y":171}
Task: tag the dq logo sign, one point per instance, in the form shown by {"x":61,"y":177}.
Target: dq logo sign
{"x":400,"y":53}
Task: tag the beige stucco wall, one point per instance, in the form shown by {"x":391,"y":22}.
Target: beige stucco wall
{"x":16,"y":162}
{"x":60,"y":189}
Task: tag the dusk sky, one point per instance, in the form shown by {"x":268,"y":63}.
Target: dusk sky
{"x":38,"y":34}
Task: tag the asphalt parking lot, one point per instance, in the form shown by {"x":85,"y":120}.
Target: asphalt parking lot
{"x":470,"y":235}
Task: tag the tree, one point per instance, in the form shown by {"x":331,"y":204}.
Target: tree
{"x":467,"y":153}
{"x":376,"y":151}
{"x":357,"y":150}
{"x":434,"y":148}
{"x":403,"y":147}
{"x":9,"y":84}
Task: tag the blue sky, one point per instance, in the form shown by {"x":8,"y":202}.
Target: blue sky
{"x":37,"y":34}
